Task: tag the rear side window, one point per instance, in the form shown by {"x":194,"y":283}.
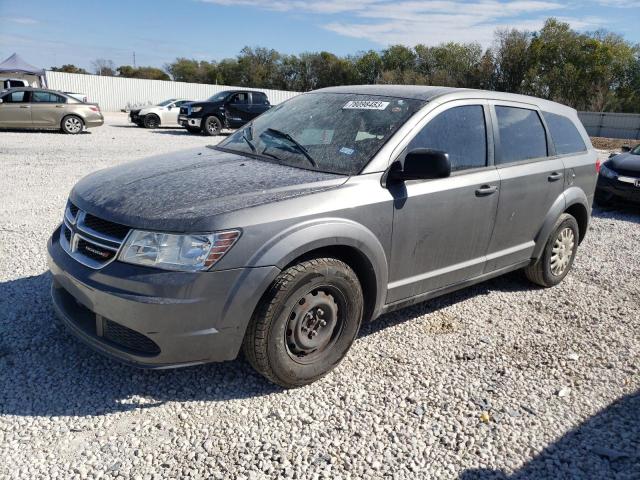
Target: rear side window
{"x":461,"y":132}
{"x":522,"y":136}
{"x":46,"y":97}
{"x":260,"y":98}
{"x":564,"y":134}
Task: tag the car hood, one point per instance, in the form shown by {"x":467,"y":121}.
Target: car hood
{"x":184,"y":191}
{"x":625,"y":163}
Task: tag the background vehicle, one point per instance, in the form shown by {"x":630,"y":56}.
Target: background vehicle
{"x":165,"y":113}
{"x":228,"y":109}
{"x":332,"y":208}
{"x":7,"y":83}
{"x":619,"y":178}
{"x":35,"y":108}
{"x":78,"y":96}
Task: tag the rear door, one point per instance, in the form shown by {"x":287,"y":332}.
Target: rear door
{"x":531,"y":179}
{"x":15,"y":110}
{"x":47,"y":109}
{"x":238,"y":109}
{"x":259,"y":104}
{"x":442,"y":227}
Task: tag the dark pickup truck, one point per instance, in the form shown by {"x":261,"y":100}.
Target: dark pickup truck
{"x":228,"y":109}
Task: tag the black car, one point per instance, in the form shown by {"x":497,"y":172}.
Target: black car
{"x":619,"y":178}
{"x":228,"y":109}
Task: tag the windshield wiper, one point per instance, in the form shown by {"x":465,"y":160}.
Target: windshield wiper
{"x":286,"y":136}
{"x":246,"y":139}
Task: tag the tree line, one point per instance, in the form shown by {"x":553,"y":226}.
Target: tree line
{"x":597,"y":71}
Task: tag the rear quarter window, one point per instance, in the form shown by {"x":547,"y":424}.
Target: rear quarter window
{"x":564,"y":134}
{"x":522,"y":135}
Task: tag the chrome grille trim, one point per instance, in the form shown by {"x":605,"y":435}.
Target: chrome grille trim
{"x":79,"y":231}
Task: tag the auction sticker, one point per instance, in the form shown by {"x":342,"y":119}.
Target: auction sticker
{"x":365,"y":105}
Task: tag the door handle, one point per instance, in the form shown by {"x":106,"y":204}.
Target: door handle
{"x":25,"y":106}
{"x":59,"y":106}
{"x":555,"y":176}
{"x":486,"y":190}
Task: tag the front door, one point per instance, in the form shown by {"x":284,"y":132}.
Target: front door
{"x":15,"y":110}
{"x":531,"y":181}
{"x":238,"y":110}
{"x":47,"y":109}
{"x":442,"y":227}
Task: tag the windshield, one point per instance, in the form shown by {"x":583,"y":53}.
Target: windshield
{"x":218,"y":97}
{"x":166,"y":102}
{"x":329,"y":132}
{"x":636,"y":150}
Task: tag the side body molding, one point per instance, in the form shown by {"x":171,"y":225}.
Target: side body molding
{"x":570,"y":197}
{"x":304,"y":237}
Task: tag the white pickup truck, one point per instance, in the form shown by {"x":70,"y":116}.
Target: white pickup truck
{"x":164,"y":113}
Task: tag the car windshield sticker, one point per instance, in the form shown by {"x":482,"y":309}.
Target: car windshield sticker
{"x":347,"y":151}
{"x":365,"y":105}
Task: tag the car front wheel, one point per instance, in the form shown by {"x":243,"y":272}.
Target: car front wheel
{"x":306,"y":322}
{"x":151,"y":121}
{"x":212,"y":126}
{"x":558,"y":254}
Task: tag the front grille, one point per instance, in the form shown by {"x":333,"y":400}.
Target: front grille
{"x":91,"y":240}
{"x":130,"y":339}
{"x":105,"y":227}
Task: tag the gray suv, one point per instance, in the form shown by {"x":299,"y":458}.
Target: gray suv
{"x":326,"y":211}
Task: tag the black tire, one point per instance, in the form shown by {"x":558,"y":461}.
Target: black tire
{"x":151,"y":121}
{"x":211,"y":126}
{"x":558,"y":255}
{"x":194,"y":129}
{"x":72,"y":125}
{"x":279,"y":342}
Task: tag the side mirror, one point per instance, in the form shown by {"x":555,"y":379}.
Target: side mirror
{"x":1,"y":100}
{"x":422,"y":164}
{"x":625,"y":148}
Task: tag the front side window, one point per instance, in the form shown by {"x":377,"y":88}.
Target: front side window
{"x":240,"y":99}
{"x":46,"y":97}
{"x":522,"y":136}
{"x":15,"y":97}
{"x":329,"y":132}
{"x":564,"y":134}
{"x":461,"y":132}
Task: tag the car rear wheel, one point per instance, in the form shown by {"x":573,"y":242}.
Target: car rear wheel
{"x":72,"y":124}
{"x":306,"y":322}
{"x":558,"y":254}
{"x":212,"y":126}
{"x":151,"y":121}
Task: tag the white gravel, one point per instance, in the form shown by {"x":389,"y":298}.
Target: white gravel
{"x":503,"y":380}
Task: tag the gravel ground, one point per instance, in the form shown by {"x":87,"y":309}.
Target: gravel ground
{"x":502,"y":380}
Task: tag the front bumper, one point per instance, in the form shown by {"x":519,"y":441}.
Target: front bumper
{"x":627,"y":190}
{"x":153,"y":318}
{"x":186,"y":121}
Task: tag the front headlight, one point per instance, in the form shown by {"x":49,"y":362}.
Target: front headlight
{"x":195,"y":109}
{"x":607,"y":172}
{"x":189,"y":252}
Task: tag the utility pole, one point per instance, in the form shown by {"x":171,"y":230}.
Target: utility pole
{"x":134,"y":59}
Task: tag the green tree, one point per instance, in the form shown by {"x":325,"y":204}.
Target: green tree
{"x":69,"y":68}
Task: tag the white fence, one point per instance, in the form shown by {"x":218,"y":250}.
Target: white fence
{"x":611,"y":125}
{"x":116,"y":93}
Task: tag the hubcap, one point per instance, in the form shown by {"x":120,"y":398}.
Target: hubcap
{"x":313,"y":325}
{"x":562,"y":251}
{"x":73,"y":125}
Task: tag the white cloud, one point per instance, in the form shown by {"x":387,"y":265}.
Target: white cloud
{"x":20,"y":20}
{"x":430,"y":21}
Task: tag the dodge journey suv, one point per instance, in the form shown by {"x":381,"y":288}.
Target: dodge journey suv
{"x":326,"y":211}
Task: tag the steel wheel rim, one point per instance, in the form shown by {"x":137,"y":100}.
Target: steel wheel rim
{"x":73,"y":125}
{"x":308,"y":333}
{"x":562,"y":251}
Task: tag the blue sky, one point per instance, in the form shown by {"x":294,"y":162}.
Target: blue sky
{"x":50,"y":33}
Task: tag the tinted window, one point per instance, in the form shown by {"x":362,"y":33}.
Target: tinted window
{"x":240,"y":98}
{"x":564,"y":133}
{"x":459,"y":131}
{"x":522,"y":135}
{"x":16,"y":83}
{"x":46,"y":97}
{"x":15,"y":97}
{"x":260,"y":98}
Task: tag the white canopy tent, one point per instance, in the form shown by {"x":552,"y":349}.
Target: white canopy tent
{"x":16,"y":67}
